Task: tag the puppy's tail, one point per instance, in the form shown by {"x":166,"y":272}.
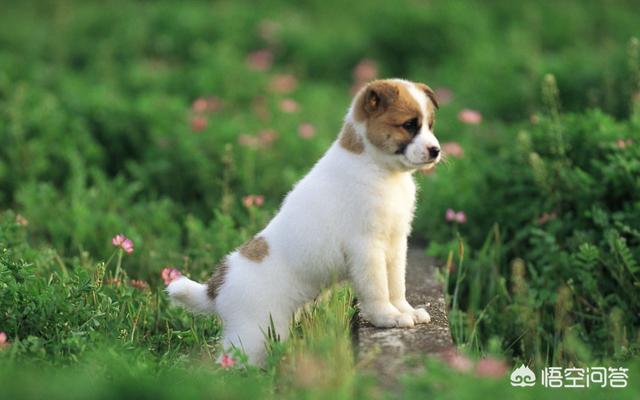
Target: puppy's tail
{"x":191,"y":295}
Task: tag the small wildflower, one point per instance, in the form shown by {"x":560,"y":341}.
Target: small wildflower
{"x":491,"y":368}
{"x":306,"y":130}
{"x":4,"y":341}
{"x":208,"y":104}
{"x":365,"y":71}
{"x":546,"y":217}
{"x":453,"y":216}
{"x":198,"y":123}
{"x":170,"y":274}
{"x":283,"y":83}
{"x":260,"y":60}
{"x":456,"y":360}
{"x":123,"y":242}
{"x":199,"y":105}
{"x":20,"y":220}
{"x":444,"y":95}
{"x":621,"y":143}
{"x":534,"y":119}
{"x":289,"y":106}
{"x":227,"y":361}
{"x":139,"y":284}
{"x":450,"y":215}
{"x":266,"y":137}
{"x":253,"y":200}
{"x":453,"y":149}
{"x":471,"y":117}
{"x":118,"y":239}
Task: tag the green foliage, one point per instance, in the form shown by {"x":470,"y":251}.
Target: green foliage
{"x":96,"y":114}
{"x":567,"y":202}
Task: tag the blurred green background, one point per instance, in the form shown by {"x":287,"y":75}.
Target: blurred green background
{"x":160,"y":119}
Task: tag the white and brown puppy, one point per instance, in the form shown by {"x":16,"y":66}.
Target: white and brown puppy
{"x":349,"y":217}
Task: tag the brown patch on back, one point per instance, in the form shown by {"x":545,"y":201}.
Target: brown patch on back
{"x":350,"y":140}
{"x":216,"y":281}
{"x":255,"y":249}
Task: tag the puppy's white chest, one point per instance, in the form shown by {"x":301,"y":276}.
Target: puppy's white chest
{"x":394,"y":207}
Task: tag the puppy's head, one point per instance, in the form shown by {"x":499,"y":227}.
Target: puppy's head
{"x":396,"y":118}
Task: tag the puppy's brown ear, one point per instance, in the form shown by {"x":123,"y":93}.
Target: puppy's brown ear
{"x":377,"y":97}
{"x":430,"y":93}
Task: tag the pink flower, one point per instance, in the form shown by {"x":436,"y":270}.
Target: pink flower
{"x":444,"y":95}
{"x":453,"y":216}
{"x":260,"y":60}
{"x":471,"y":117}
{"x":198,"y":123}
{"x":4,"y":341}
{"x":450,"y":215}
{"x":248,"y":201}
{"x":621,"y":143}
{"x":266,"y":137}
{"x":546,"y":217}
{"x":253,"y":200}
{"x":170,"y":274}
{"x":139,"y":284}
{"x":365,"y":71}
{"x":456,"y":360}
{"x":226,"y":361}
{"x":283,"y":83}
{"x":123,"y":242}
{"x":289,"y":105}
{"x":209,"y":104}
{"x":118,"y":239}
{"x":20,"y":220}
{"x":127,"y":246}
{"x":306,"y":130}
{"x":453,"y":149}
{"x":491,"y":368}
{"x":199,"y":105}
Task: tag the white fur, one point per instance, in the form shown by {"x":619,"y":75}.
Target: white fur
{"x":349,"y":217}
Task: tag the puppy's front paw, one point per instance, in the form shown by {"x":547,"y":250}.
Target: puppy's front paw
{"x":420,"y":316}
{"x":384,"y":315}
{"x":391,"y":320}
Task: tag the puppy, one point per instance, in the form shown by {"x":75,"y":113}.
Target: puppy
{"x":349,"y":217}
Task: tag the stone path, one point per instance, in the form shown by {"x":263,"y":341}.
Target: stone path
{"x":390,"y":352}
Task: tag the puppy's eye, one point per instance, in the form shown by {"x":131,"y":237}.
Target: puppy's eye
{"x":411,"y":126}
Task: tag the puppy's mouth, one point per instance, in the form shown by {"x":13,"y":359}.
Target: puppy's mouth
{"x":421,"y":165}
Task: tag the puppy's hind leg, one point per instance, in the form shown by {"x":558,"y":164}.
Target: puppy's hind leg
{"x":250,"y":334}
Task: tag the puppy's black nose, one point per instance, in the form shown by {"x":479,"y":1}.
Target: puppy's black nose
{"x":434,"y":151}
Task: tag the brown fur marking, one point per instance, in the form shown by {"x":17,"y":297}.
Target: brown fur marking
{"x":255,"y":249}
{"x":385,"y":105}
{"x":216,"y":281}
{"x":350,"y":140}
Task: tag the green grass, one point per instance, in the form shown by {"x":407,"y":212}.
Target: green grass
{"x":96,"y":114}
